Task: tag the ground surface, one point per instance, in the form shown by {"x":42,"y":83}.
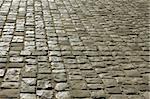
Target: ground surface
{"x":74,"y":49}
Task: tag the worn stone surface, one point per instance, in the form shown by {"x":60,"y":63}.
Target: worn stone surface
{"x":61,"y":86}
{"x":2,"y":71}
{"x":74,"y":49}
{"x":63,"y":95}
{"x":44,"y":94}
{"x":27,"y":96}
{"x":80,"y":93}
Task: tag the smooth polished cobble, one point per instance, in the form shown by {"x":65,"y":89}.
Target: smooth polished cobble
{"x":74,"y":49}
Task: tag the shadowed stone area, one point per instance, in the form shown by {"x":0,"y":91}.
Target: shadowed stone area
{"x":74,"y":49}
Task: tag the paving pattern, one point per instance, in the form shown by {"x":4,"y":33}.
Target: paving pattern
{"x":74,"y":49}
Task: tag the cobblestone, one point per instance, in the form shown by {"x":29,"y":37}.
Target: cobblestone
{"x":74,"y":49}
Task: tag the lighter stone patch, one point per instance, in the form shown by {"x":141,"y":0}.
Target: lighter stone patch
{"x":26,"y":52}
{"x":30,"y":81}
{"x":61,"y":86}
{"x":63,"y":95}
{"x":13,"y":71}
{"x":17,"y":39}
{"x":10,"y":84}
{"x":27,"y":96}
{"x":16,"y":59}
{"x":2,"y":72}
{"x":2,"y":53}
{"x":48,"y":94}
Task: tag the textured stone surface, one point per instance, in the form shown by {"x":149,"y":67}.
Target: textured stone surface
{"x":2,"y":71}
{"x":74,"y":49}
{"x":27,"y":96}
{"x":63,"y":95}
{"x":61,"y":86}
{"x":45,"y":94}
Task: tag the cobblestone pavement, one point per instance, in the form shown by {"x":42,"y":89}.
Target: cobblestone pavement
{"x":74,"y":49}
